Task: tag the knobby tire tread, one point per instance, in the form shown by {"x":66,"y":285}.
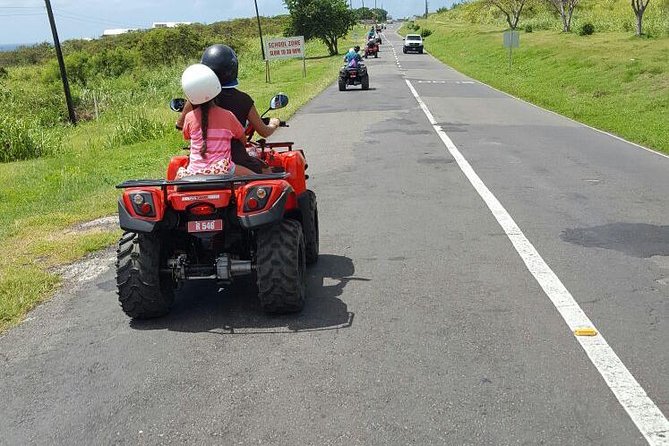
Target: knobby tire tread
{"x":280,"y":267}
{"x":141,"y":292}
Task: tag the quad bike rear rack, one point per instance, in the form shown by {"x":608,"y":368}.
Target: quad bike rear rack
{"x":212,"y":180}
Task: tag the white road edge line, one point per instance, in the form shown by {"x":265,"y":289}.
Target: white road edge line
{"x":650,"y":421}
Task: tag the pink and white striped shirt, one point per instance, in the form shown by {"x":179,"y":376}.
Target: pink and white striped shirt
{"x":222,"y":127}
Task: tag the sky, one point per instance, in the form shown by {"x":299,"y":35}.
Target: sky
{"x":25,"y":21}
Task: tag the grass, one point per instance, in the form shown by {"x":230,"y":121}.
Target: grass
{"x":41,"y":199}
{"x":612,"y":81}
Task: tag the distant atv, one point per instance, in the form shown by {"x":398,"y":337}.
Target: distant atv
{"x":372,"y":49}
{"x":218,"y":228}
{"x":353,"y":75}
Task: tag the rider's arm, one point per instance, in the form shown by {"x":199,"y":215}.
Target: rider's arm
{"x":182,"y":117}
{"x":260,"y":127}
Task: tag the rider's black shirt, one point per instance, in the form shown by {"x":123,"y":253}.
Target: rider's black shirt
{"x":239,"y":103}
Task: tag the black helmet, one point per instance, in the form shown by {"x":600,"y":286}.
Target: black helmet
{"x":356,"y":48}
{"x":223,"y":60}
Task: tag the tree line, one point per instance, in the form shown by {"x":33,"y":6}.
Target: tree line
{"x":512,"y":10}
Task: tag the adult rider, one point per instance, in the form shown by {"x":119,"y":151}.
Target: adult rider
{"x":353,"y":54}
{"x":223,"y":61}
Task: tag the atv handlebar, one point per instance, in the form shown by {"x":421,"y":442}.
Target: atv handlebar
{"x":281,"y":123}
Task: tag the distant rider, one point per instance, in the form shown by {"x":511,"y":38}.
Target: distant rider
{"x":352,"y":57}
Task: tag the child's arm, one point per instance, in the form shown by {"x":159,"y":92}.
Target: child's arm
{"x":186,"y":125}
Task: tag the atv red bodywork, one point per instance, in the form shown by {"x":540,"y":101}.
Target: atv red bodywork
{"x":217,"y":228}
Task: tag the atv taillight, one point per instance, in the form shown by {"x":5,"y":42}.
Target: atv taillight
{"x":146,"y":209}
{"x":252,"y":204}
{"x":143,"y":203}
{"x":256,"y":198}
{"x":202,"y":209}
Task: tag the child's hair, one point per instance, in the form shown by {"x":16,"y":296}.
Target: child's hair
{"x":204,"y":123}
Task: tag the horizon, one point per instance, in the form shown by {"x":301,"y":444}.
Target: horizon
{"x":25,"y":22}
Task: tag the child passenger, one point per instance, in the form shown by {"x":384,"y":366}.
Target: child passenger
{"x":210,"y":128}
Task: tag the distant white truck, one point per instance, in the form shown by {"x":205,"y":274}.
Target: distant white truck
{"x":413,"y":43}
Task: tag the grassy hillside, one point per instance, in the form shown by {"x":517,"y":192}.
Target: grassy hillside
{"x":606,"y":15}
{"x":610,"y":80}
{"x":134,"y":137}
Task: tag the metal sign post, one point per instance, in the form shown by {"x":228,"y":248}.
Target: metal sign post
{"x":511,"y":41}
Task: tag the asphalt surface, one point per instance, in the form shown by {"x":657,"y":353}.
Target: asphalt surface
{"x":423,"y":325}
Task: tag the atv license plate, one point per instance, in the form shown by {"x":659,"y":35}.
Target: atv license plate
{"x":205,"y":226}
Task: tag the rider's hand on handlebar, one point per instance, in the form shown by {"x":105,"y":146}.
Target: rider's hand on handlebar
{"x":274,"y":122}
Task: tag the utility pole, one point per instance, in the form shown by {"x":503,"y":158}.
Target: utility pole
{"x":425,"y":8}
{"x":262,"y":44}
{"x":61,"y":63}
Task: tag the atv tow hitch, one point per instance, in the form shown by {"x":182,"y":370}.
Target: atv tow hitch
{"x":224,"y":269}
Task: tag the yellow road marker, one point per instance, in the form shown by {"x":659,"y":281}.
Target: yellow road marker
{"x":585,"y":331}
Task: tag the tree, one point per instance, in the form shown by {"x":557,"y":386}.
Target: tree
{"x":327,"y":20}
{"x":380,"y":15}
{"x":510,"y":8}
{"x":639,"y":7}
{"x":363,"y":13}
{"x":566,"y":9}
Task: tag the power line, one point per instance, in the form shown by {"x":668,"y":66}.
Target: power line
{"x":22,"y":14}
{"x":82,"y":17}
{"x":94,"y":21}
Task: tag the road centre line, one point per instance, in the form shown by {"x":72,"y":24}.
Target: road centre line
{"x":648,"y":418}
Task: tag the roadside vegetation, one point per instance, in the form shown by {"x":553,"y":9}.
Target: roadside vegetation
{"x":54,"y":175}
{"x":600,"y":73}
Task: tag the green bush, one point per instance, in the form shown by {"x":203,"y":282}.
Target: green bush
{"x":4,"y":74}
{"x":18,"y":141}
{"x":133,"y":128}
{"x":113,"y":63}
{"x":425,"y":33}
{"x":528,"y":28}
{"x":587,"y":29}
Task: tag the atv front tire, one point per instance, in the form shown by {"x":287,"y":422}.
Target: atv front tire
{"x":310,"y":228}
{"x":142,"y":291}
{"x":281,"y":267}
{"x":365,"y":82}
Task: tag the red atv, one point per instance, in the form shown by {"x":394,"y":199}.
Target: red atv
{"x":372,"y":49}
{"x":219,"y":228}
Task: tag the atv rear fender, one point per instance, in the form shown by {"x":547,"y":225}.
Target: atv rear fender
{"x":294,"y":164}
{"x":261,"y":203}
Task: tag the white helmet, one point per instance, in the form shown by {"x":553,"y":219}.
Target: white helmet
{"x":200,"y":84}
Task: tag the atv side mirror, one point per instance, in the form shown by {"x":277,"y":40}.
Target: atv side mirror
{"x":177,"y":104}
{"x":278,"y":101}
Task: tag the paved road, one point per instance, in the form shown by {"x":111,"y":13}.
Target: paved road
{"x":423,"y":324}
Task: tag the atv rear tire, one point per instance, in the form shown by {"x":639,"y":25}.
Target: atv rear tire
{"x":142,"y":291}
{"x":365,"y":82}
{"x":310,"y":228}
{"x":342,"y":85}
{"x":376,"y":55}
{"x":281,"y":267}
